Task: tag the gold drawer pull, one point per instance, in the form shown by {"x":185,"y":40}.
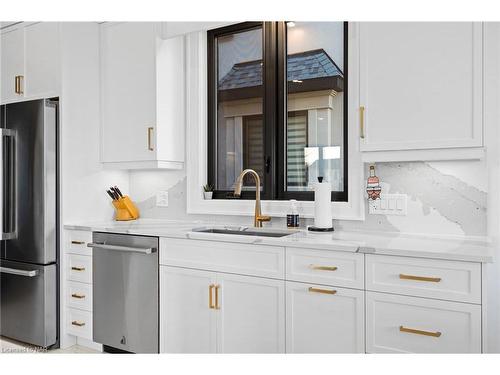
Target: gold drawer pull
{"x":323,"y":268}
{"x":324,"y":291}
{"x":77,"y":323}
{"x":150,"y":136}
{"x":21,"y":84}
{"x":79,"y":269}
{"x":419,"y":332}
{"x":217,"y":287}
{"x":210,"y":294}
{"x":419,"y":278}
{"x":362,"y":122}
{"x":78,"y":242}
{"x":79,"y":296}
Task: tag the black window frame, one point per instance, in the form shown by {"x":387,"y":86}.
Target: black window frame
{"x":274,"y":39}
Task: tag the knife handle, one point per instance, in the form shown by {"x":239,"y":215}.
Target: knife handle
{"x":111,"y":194}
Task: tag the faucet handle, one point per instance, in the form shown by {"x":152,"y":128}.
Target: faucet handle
{"x":263,"y":218}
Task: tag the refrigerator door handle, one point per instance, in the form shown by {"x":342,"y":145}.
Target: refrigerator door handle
{"x":15,"y":271}
{"x":6,"y":181}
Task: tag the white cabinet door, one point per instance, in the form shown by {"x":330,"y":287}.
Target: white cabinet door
{"x":420,"y":85}
{"x":42,"y":58}
{"x":187,"y":323}
{"x":12,"y":63}
{"x":251,"y":314}
{"x":128,"y":91}
{"x":321,"y":319}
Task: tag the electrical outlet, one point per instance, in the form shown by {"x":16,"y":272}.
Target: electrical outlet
{"x":389,"y":204}
{"x":162,"y":199}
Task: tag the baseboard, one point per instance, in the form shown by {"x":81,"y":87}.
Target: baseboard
{"x":89,"y":344}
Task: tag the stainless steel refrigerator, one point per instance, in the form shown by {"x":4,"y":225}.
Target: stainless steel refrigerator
{"x":28,"y":221}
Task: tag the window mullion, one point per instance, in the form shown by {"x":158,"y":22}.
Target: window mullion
{"x":270,"y":115}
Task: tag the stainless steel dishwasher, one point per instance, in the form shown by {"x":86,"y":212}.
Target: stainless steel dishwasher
{"x":125,"y":292}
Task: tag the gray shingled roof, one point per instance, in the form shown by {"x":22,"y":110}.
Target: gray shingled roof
{"x":301,"y":66}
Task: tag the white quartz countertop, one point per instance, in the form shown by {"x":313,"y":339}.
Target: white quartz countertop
{"x":456,"y":248}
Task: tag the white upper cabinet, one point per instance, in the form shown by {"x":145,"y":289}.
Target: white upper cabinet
{"x":420,"y":85}
{"x":12,"y":50}
{"x":30,"y":62}
{"x":142,"y":93}
{"x":42,"y":59}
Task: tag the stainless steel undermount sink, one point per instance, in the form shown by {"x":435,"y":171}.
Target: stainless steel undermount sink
{"x":244,"y":232}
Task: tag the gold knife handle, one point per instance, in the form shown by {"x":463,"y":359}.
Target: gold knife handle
{"x":419,"y":332}
{"x":403,"y":276}
{"x":323,"y":268}
{"x":323,"y":291}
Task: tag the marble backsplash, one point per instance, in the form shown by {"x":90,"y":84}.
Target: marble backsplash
{"x":443,"y":198}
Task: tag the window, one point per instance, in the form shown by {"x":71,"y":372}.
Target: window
{"x":277,"y":104}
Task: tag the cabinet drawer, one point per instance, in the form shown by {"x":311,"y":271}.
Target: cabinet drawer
{"x":325,"y":267}
{"x":450,"y":280}
{"x":79,"y":296}
{"x":79,"y":323}
{"x":79,"y":268}
{"x":244,"y":259}
{"x":77,"y":241}
{"x":401,"y":324}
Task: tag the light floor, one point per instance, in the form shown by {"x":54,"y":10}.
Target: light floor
{"x":11,"y":346}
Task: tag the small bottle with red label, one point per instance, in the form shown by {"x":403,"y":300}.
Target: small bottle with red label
{"x":373,"y":188}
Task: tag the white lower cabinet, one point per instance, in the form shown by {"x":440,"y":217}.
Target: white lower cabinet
{"x":221,"y":297}
{"x":207,"y":312}
{"x":321,"y":319}
{"x":76,"y":288}
{"x":250,"y":315}
{"x":401,"y":324}
{"x":187,"y":323}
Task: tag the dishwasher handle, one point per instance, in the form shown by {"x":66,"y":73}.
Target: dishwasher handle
{"x":142,"y":250}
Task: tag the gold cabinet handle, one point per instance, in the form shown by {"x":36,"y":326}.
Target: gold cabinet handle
{"x":323,"y":291}
{"x":79,"y":269}
{"x":217,"y":287}
{"x":79,"y":296}
{"x":78,"y":242}
{"x":419,"y":278}
{"x":210,"y":294}
{"x":77,"y":323}
{"x":419,"y":332}
{"x":323,"y":268}
{"x":362,"y":122}
{"x":16,"y":84}
{"x":21,"y":84}
{"x":150,"y":136}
